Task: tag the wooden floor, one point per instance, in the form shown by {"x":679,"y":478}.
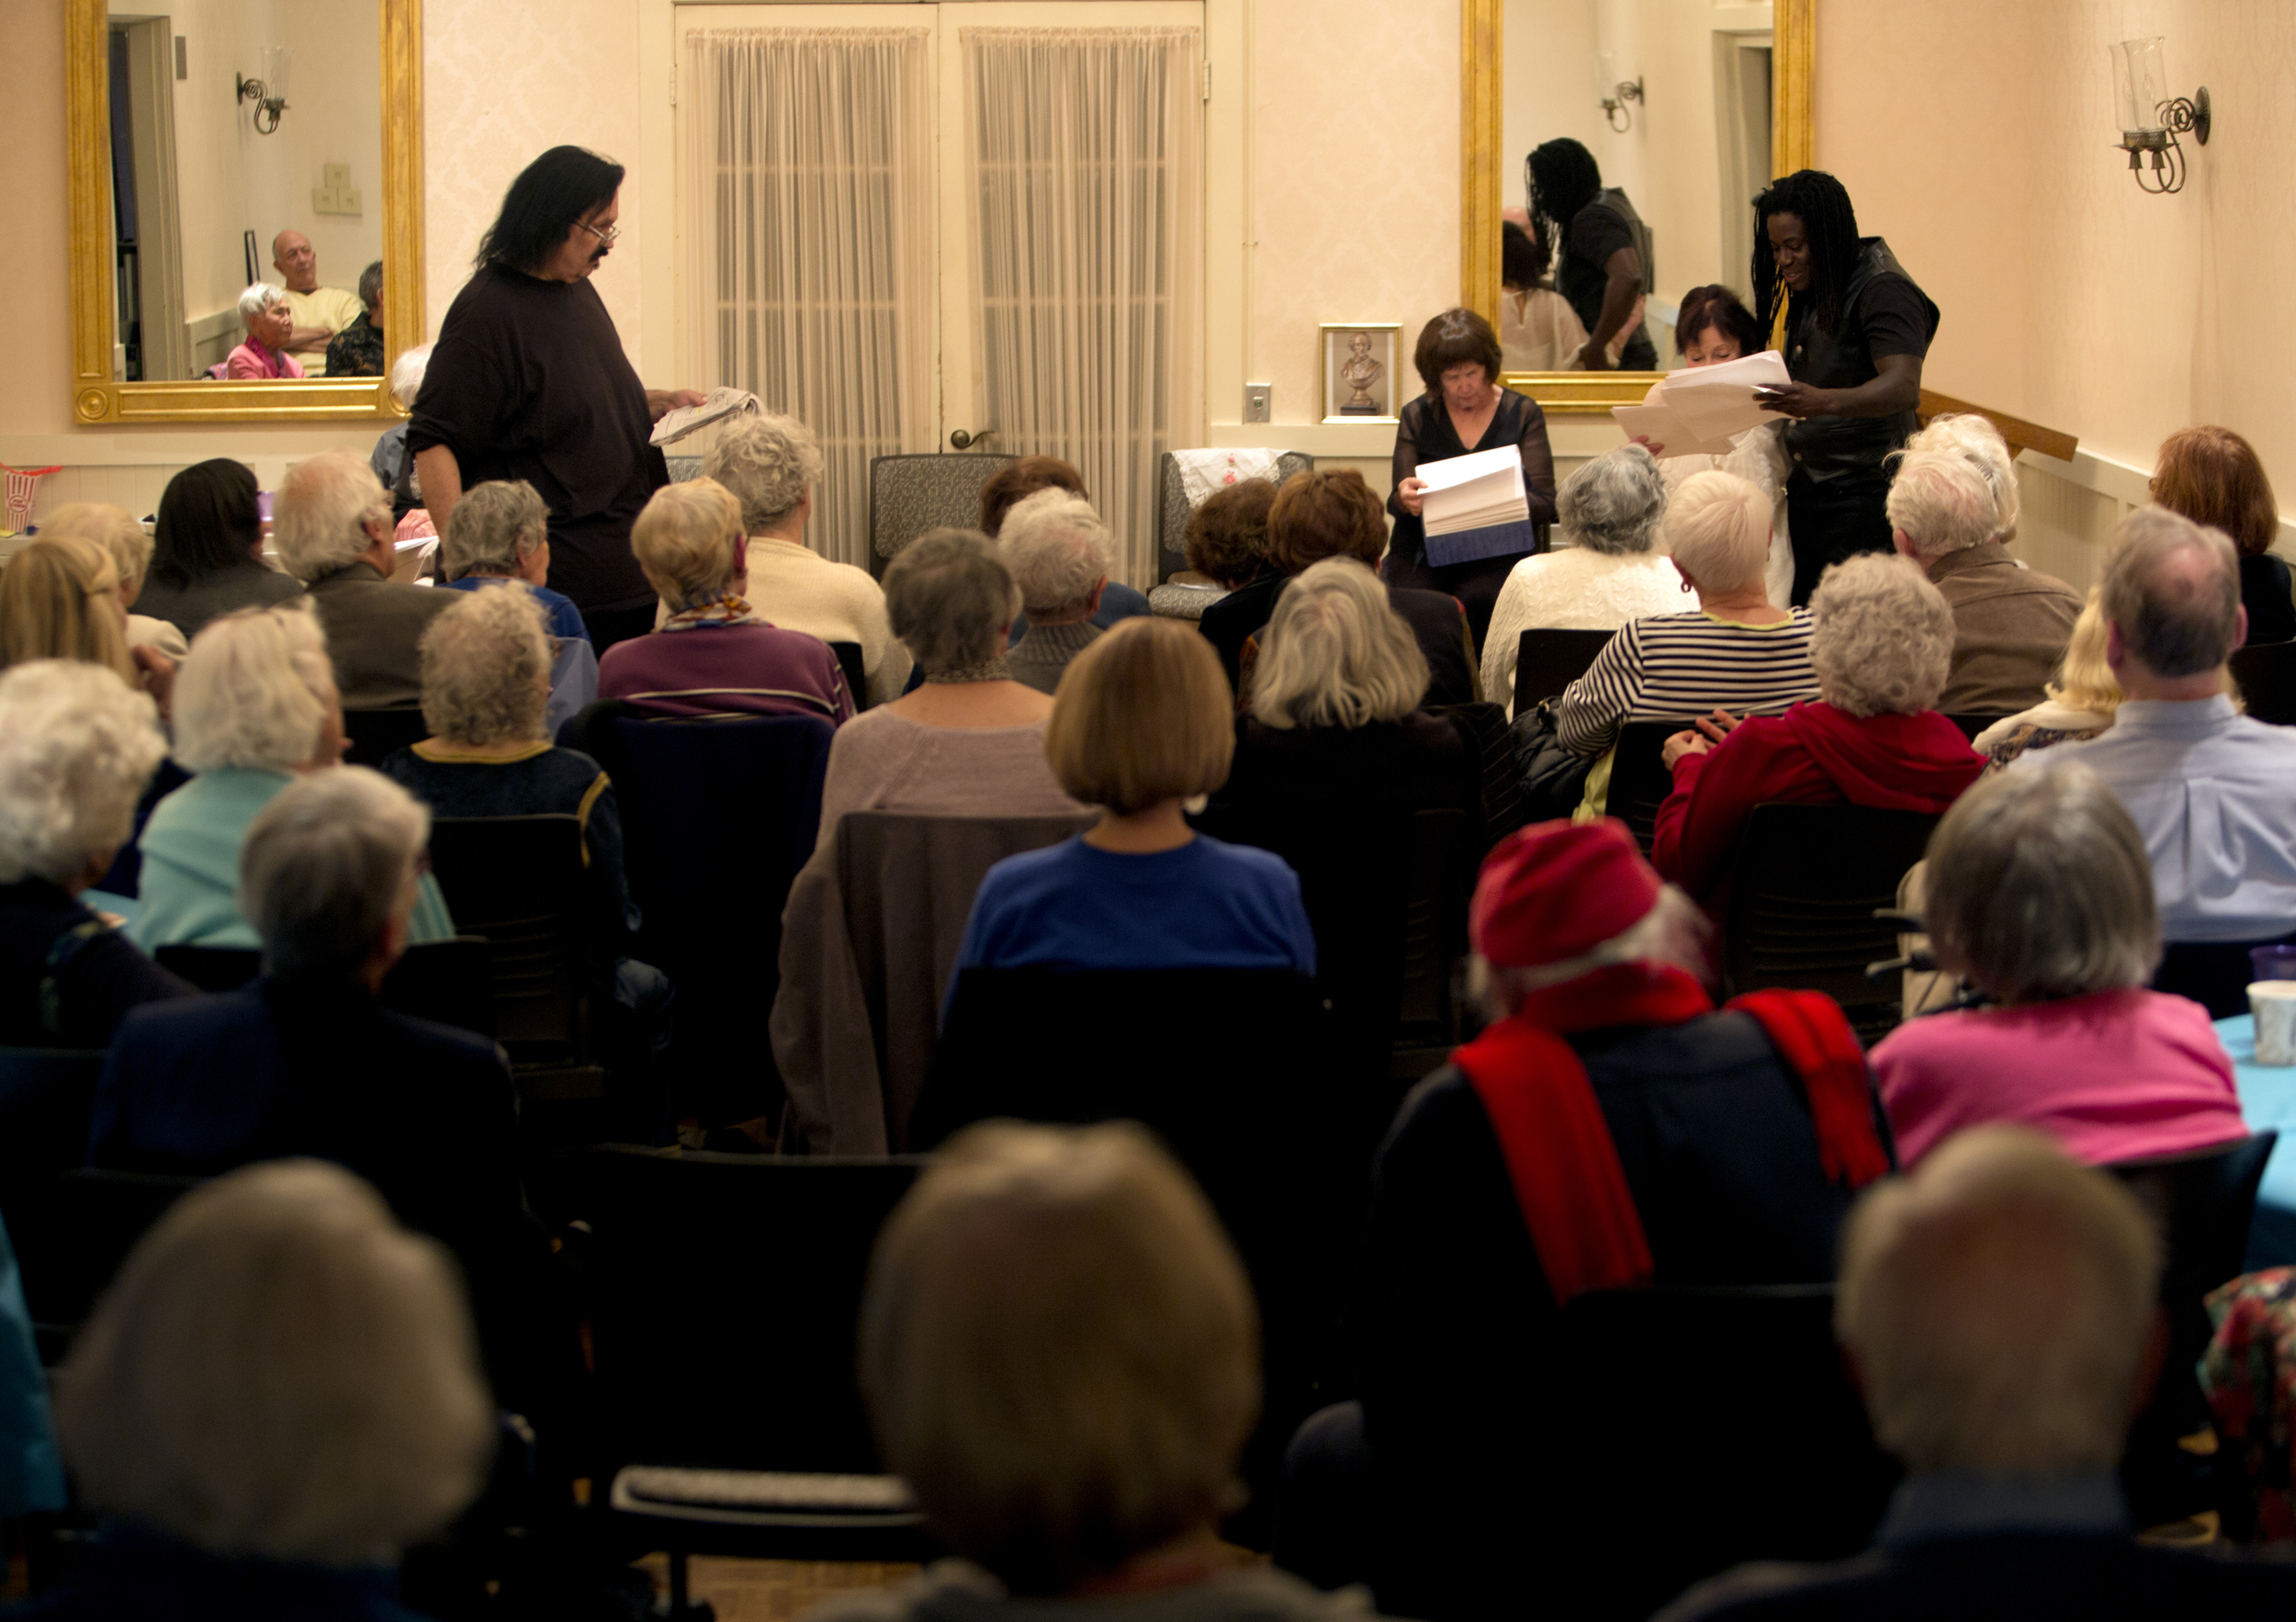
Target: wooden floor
{"x":771,"y":1591}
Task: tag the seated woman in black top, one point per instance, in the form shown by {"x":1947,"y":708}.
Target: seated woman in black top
{"x":2213,"y":477}
{"x":1463,"y":409}
{"x":76,"y":748}
{"x":1603,"y":263}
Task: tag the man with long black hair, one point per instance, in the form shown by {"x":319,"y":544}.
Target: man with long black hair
{"x":529,"y":380}
{"x":1603,"y":261}
{"x":1856,"y":328}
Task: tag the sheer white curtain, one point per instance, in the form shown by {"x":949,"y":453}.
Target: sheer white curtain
{"x":805,"y":168}
{"x":1084,"y":148}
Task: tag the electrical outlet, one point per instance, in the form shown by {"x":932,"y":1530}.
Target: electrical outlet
{"x":338,"y":177}
{"x":323,"y":199}
{"x":348,"y":200}
{"x":1255,"y":401}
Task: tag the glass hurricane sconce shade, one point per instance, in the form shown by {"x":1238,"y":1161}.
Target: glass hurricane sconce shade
{"x":2151,"y":119}
{"x":268,"y":93}
{"x":1613,"y":91}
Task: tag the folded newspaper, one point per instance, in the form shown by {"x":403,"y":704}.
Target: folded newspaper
{"x":721,"y":404}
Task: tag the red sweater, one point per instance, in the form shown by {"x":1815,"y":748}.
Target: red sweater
{"x":1812,"y":755}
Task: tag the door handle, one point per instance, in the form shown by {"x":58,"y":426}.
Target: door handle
{"x":960,"y":440}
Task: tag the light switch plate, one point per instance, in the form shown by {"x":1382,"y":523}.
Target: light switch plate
{"x":323,"y":199}
{"x":348,"y":200}
{"x":1255,"y":401}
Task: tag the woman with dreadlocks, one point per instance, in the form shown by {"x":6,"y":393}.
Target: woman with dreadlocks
{"x":1856,"y":328}
{"x":1603,"y":261}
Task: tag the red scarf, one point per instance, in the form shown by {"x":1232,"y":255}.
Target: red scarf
{"x":1567,"y":1180}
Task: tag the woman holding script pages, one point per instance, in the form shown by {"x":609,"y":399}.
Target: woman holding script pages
{"x":1464,"y":410}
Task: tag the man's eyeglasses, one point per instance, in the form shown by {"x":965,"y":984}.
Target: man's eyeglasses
{"x":607,"y":235}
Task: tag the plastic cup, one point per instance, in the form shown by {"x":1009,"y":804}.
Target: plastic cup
{"x":2273,"y":1002}
{"x":2272,"y":963}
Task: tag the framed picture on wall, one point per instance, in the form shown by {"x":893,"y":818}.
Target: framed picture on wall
{"x":1359,"y":370}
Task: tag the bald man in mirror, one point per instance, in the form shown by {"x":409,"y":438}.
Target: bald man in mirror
{"x":319,"y":312}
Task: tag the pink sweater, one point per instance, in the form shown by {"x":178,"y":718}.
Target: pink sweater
{"x":2119,"y":1075}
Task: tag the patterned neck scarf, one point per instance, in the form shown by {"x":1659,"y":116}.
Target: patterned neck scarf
{"x":726,"y":609}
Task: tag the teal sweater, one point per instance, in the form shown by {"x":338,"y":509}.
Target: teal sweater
{"x":190,"y":882}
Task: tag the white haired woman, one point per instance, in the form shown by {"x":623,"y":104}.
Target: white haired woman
{"x":1059,"y":552}
{"x":969,"y":742}
{"x":1736,"y":651}
{"x":275,"y":1397}
{"x":500,"y":531}
{"x":772,"y":464}
{"x":270,"y":322}
{"x":256,"y":708}
{"x":115,"y":530}
{"x":1609,"y":572}
{"x":76,"y":748}
{"x":1881,"y":640}
{"x":390,"y":461}
{"x":2041,"y":899}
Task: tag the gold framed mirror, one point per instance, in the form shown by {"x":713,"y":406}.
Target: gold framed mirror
{"x":1489,"y":168}
{"x":133,"y":43}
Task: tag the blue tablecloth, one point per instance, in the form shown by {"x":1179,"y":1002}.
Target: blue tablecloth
{"x":2267,"y":1101}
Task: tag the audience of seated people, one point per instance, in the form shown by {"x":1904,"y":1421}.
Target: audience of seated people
{"x":332,"y":523}
{"x":2214,"y":477}
{"x":1609,"y":1129}
{"x":60,"y":599}
{"x":1733,"y":652}
{"x":714,"y":656}
{"x":115,"y":530}
{"x":1602,"y":572}
{"x":1319,"y":514}
{"x":969,"y":742}
{"x":1141,"y":724}
{"x":2081,"y":701}
{"x":270,"y":323}
{"x":1881,"y":639}
{"x":76,"y":748}
{"x":1023,"y":477}
{"x":1226,"y":539}
{"x":255,"y":707}
{"x":1060,"y":554}
{"x":1998,"y":1306}
{"x":274,"y":1401}
{"x":2011,"y":622}
{"x":2039,"y":896}
{"x":207,"y":548}
{"x":500,"y":532}
{"x":772,"y":465}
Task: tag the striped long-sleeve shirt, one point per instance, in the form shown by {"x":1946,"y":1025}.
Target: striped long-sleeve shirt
{"x":1677,"y":665}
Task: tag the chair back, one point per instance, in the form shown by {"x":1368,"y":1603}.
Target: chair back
{"x":725,"y":1299}
{"x":70,"y":1248}
{"x":1806,"y":885}
{"x":211,"y":968}
{"x":573,"y":680}
{"x":447,"y":982}
{"x":1173,"y":508}
{"x":1548,"y":661}
{"x":910,"y":494}
{"x":1736,"y":1400}
{"x":46,"y":1096}
{"x":1971,"y":726}
{"x":1639,"y":777}
{"x":849,"y":659}
{"x":2266,"y":674}
{"x":518,"y":883}
{"x":1440,"y":884}
{"x":2214,"y":974}
{"x":378,"y":734}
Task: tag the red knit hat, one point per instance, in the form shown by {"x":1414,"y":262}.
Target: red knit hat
{"x":1555,"y":891}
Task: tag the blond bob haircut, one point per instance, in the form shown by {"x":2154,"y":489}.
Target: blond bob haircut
{"x":255,"y":692}
{"x":1941,"y":502}
{"x":1335,"y":653}
{"x":949,"y":598}
{"x":1998,"y":1302}
{"x":113,"y":528}
{"x":1881,"y":637}
{"x":2085,"y":681}
{"x":77,"y":745}
{"x":1058,"y":551}
{"x":1716,"y":529}
{"x":280,"y":1372}
{"x":688,"y":540}
{"x":320,"y":519}
{"x":768,"y":462}
{"x":1142,"y":716}
{"x":58,"y":600}
{"x":1980,"y":442}
{"x":493,"y":529}
{"x":486,"y":668}
{"x":2039,"y":887}
{"x":1060,"y":1350}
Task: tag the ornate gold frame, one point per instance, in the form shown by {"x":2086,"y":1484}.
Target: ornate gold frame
{"x":1794,"y":52}
{"x":95,"y":398}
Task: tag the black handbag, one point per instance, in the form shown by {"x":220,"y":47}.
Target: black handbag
{"x":1553,"y":778}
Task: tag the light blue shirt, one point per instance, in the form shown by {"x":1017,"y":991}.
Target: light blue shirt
{"x":2215,"y":794}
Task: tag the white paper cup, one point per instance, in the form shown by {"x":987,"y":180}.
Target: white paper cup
{"x":2273,"y":1002}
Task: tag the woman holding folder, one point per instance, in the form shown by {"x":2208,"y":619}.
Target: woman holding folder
{"x":1465,"y":411}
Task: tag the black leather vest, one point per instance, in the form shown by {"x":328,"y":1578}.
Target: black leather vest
{"x":1829,"y":447}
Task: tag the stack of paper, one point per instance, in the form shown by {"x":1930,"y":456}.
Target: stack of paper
{"x":1473,"y":491}
{"x":717,"y":407}
{"x":1698,"y":412}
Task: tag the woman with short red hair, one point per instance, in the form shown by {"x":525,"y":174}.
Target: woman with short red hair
{"x":2212,"y":476}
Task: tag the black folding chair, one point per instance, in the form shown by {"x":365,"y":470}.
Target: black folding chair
{"x":378,"y":734}
{"x":2266,"y":674}
{"x":1639,"y":777}
{"x":1548,"y":661}
{"x":447,"y":982}
{"x":78,"y":1230}
{"x":1804,"y":889}
{"x":849,"y":659}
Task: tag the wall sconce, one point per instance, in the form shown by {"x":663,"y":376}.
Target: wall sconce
{"x":1613,"y":91}
{"x":2151,"y":119}
{"x":269,"y":93}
